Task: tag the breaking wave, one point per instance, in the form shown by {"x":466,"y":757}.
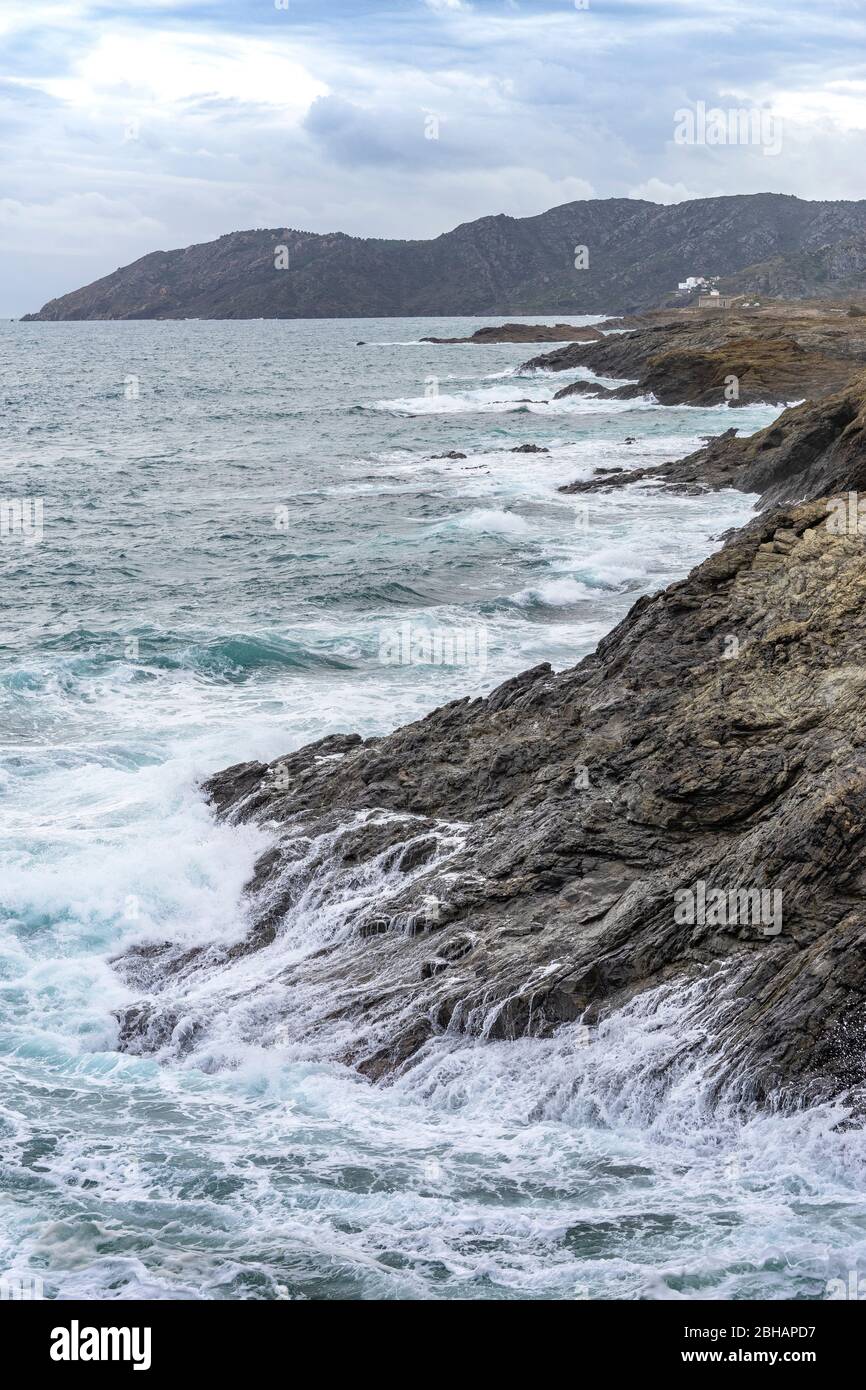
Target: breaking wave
{"x":169,"y":629}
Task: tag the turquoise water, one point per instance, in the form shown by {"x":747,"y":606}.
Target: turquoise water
{"x":234,"y":514}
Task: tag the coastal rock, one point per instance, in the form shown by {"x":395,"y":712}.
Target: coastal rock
{"x":683,"y":812}
{"x":686,"y":358}
{"x":808,"y":451}
{"x":534,"y":849}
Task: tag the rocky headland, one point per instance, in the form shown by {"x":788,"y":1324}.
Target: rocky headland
{"x":709,"y":357}
{"x":632,"y":253}
{"x":546,"y":854}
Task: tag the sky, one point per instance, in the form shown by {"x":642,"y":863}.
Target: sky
{"x":133,"y":127}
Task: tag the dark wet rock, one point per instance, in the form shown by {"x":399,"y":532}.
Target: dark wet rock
{"x":453,"y":454}
{"x":594,"y":389}
{"x":529,"y":449}
{"x":583,"y":388}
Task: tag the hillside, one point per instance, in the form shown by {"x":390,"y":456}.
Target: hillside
{"x":637,"y":252}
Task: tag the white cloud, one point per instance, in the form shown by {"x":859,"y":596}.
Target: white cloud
{"x":74,"y":224}
{"x":176,"y":68}
{"x":657,"y":191}
{"x":839,"y":106}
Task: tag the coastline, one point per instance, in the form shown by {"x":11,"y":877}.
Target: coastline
{"x":539,"y":835}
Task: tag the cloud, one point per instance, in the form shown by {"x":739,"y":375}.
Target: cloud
{"x":178,"y":69}
{"x":85,"y":216}
{"x":130,"y":125}
{"x":657,"y":191}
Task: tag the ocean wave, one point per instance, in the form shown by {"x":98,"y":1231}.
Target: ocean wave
{"x":229,"y":658}
{"x":239,"y":655}
{"x":500,"y":400}
{"x":478,"y":401}
{"x":493,"y":522}
{"x":556,"y":593}
{"x":592,"y":1161}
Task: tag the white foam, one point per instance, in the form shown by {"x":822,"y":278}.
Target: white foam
{"x":556,"y":593}
{"x":492,"y":521}
{"x":482,"y":400}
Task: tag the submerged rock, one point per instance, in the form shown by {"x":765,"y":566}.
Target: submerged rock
{"x":527,"y":333}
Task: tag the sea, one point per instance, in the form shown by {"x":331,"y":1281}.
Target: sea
{"x":211,"y":532}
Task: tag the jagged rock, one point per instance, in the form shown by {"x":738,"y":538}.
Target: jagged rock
{"x":717,"y":733}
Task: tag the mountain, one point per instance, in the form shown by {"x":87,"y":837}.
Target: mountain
{"x":637,"y":253}
{"x":836,"y":268}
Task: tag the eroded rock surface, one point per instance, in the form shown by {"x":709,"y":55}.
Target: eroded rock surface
{"x":513,"y":863}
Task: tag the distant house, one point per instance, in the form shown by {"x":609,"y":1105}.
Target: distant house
{"x":714,"y":300}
